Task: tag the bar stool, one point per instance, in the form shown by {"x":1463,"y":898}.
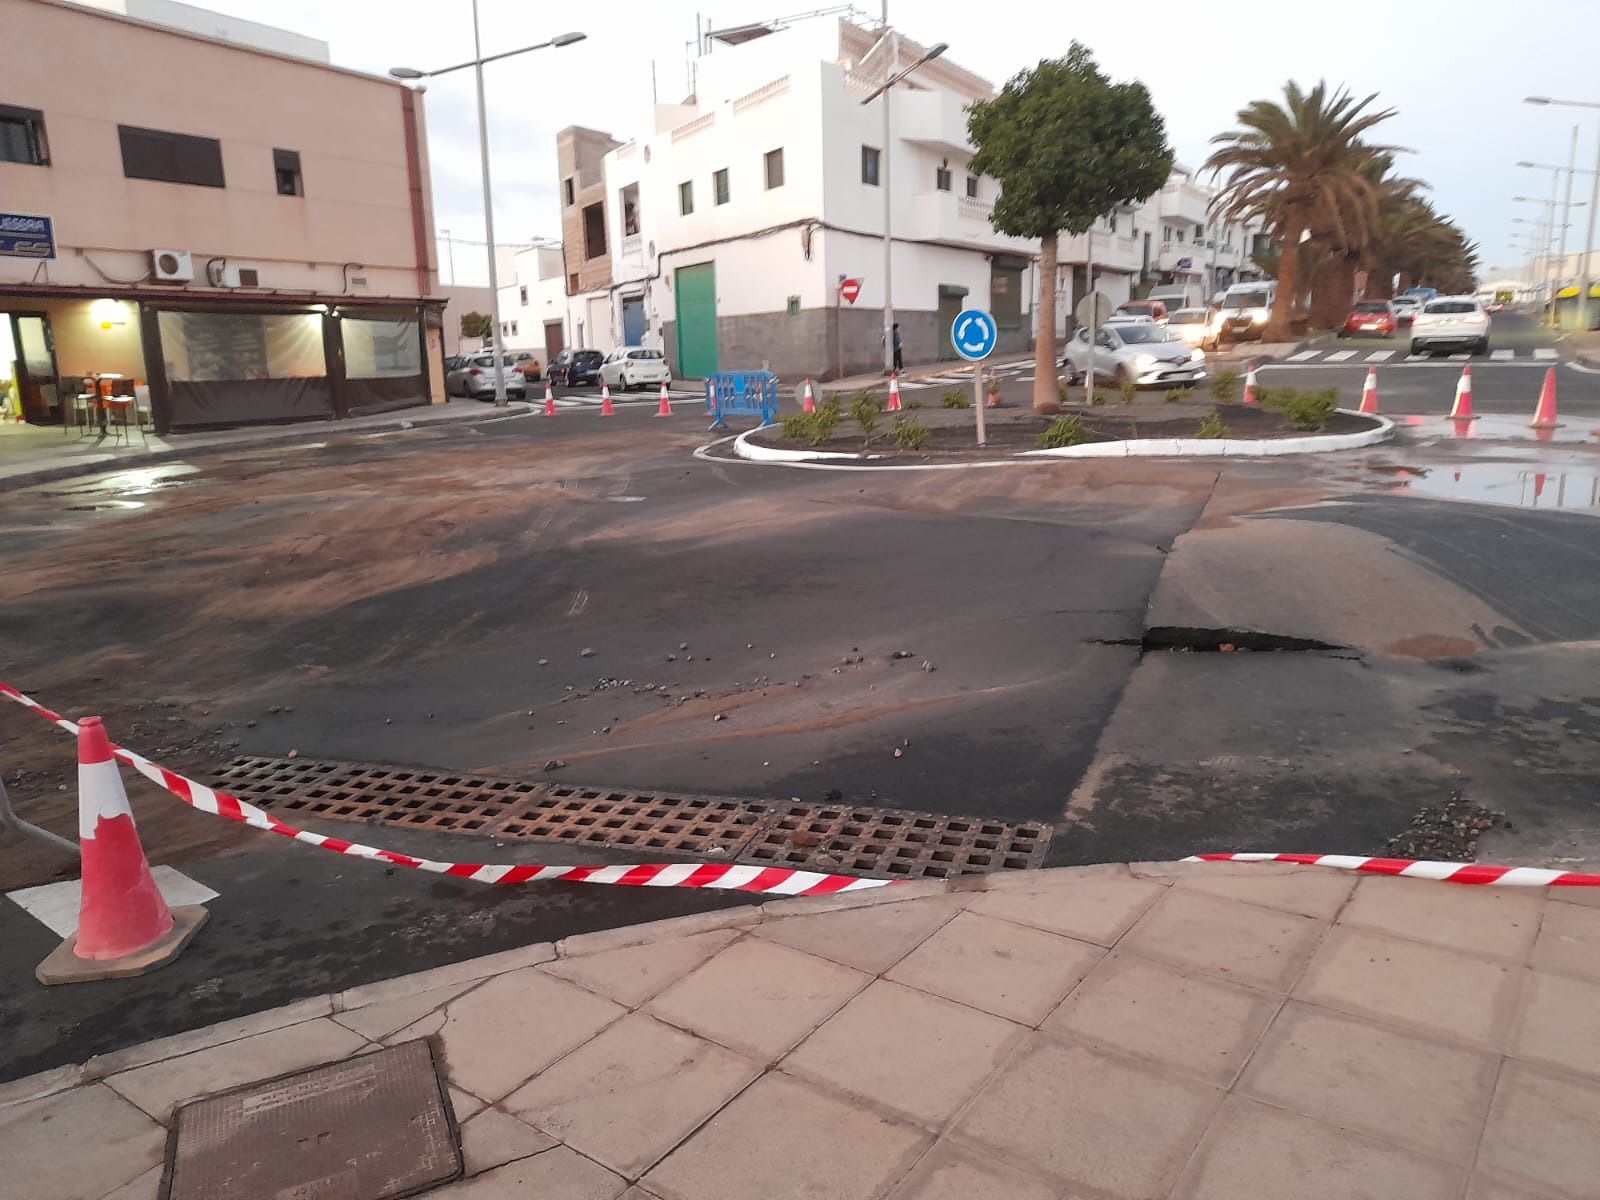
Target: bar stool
{"x":81,"y":406}
{"x":119,"y":399}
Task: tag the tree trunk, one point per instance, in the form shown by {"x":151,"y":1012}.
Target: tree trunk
{"x":1046,"y":396}
{"x":1277,"y":329}
{"x":1330,"y":301}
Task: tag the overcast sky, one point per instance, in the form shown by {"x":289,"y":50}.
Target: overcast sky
{"x":1456,"y":72}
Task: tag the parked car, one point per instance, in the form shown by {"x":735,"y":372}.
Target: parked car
{"x":453,"y":361}
{"x":474,"y":378}
{"x":1405,"y":309}
{"x":526,"y":363}
{"x":1193,"y":325}
{"x":1244,"y":311}
{"x":1451,"y":323}
{"x":1156,"y":310}
{"x":572,"y":368}
{"x":1177,"y":295}
{"x":1140,"y":351}
{"x":1370,"y":316}
{"x":629,"y":367}
{"x":1495,"y":306}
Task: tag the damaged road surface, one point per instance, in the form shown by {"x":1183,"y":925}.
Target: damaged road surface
{"x":1105,"y":660}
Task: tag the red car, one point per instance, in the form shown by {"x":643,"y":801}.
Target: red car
{"x":1370,"y":317}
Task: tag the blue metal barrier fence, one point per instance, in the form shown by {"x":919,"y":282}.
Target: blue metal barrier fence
{"x":741,"y":393}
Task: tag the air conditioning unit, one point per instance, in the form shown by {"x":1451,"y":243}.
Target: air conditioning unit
{"x":171,"y":266}
{"x":241,"y":277}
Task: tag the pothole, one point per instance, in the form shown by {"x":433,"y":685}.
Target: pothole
{"x":1448,"y":832}
{"x":1198,"y":640}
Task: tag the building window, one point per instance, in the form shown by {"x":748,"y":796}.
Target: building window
{"x":1199,"y":233}
{"x":286,"y":169}
{"x":1180,"y":236}
{"x":572,"y":192}
{"x":594,"y":231}
{"x":869,"y":166}
{"x":513,"y":329}
{"x":170,"y":157}
{"x":22,"y":136}
{"x":1111,"y":222}
{"x":522,"y":294}
{"x":630,"y":210}
{"x":719,"y":186}
{"x":794,"y":306}
{"x":972,"y":187}
{"x":941,"y":178}
{"x":686,"y":197}
{"x":572,"y":284}
{"x":774,"y":161}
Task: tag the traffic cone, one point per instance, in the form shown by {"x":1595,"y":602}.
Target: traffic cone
{"x":124,"y":925}
{"x":1369,"y":393}
{"x":1544,"y":417}
{"x":1461,"y":410}
{"x":665,"y":408}
{"x":605,"y":401}
{"x":994,"y":393}
{"x":1250,"y":386}
{"x":810,"y":404}
{"x":549,"y":401}
{"x":894,"y":393}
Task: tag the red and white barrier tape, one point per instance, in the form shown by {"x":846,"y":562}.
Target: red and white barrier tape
{"x":1412,"y":868}
{"x":774,"y":881}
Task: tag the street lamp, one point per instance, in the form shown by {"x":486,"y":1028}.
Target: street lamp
{"x":476,"y":63}
{"x":892,"y":76}
{"x":1594,"y":204}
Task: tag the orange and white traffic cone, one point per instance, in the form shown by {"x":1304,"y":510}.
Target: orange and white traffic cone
{"x":894,"y":393}
{"x":1250,"y":386}
{"x":1369,"y":393}
{"x":124,"y":924}
{"x":605,"y":401}
{"x":664,"y":409}
{"x":810,"y":404}
{"x":549,"y":401}
{"x":1544,"y":417}
{"x":1461,"y":410}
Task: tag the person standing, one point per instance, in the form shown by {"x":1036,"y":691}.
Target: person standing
{"x":899,"y":358}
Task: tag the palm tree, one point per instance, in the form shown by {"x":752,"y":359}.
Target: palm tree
{"x":1298,"y":167}
{"x":1350,"y":248}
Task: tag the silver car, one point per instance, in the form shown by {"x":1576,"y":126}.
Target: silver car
{"x":474,"y":378}
{"x":1137,"y":351}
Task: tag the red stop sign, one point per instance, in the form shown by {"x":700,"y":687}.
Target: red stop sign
{"x":850,"y":289}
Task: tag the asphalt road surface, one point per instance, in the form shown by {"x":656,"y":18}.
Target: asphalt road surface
{"x":497,"y":597}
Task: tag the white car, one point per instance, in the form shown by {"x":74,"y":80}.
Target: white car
{"x":629,"y":367}
{"x":1193,"y":325}
{"x":1137,"y":351}
{"x":1406,"y":309}
{"x":473,"y":378}
{"x":1451,"y":323}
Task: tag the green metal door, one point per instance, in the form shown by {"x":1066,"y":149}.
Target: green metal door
{"x":696,"y":291}
{"x":952,"y":299}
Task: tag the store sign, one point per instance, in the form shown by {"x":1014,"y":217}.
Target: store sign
{"x":24,"y":235}
{"x":1185,"y":264}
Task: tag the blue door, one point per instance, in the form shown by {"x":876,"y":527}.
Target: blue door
{"x":633,"y":320}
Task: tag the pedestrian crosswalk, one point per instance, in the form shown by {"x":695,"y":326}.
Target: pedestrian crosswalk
{"x":1542,"y":354}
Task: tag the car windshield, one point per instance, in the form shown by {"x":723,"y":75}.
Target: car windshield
{"x":638,"y":355}
{"x":1451,"y":306}
{"x":1247,"y":300}
{"x":1372,"y":306}
{"x":586,"y":356}
{"x":487,"y":360}
{"x":1188,"y":316}
{"x":1138,"y":334}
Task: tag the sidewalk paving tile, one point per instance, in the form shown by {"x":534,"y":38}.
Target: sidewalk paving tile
{"x":1587,"y":897}
{"x":1424,"y":987}
{"x":785,"y":1138}
{"x":496,"y":1036}
{"x":1241,"y":942}
{"x":1309,"y":891}
{"x":948,"y":1172}
{"x":758,"y":997}
{"x":146,"y":1187}
{"x":493,"y":1138}
{"x":1097,"y":909}
{"x":1559,"y":1022}
{"x":1187,"y":1022}
{"x":83,"y":1143}
{"x":1094,"y":1121}
{"x":1569,"y":941}
{"x":378,"y":1021}
{"x":632,"y":974}
{"x":161,"y":1087}
{"x":907,"y":1050}
{"x":463,"y":1104}
{"x":1542,"y":1129}
{"x":560,"y":1174}
{"x":633,"y":1093}
{"x":1255,"y":1152}
{"x":1479,"y":920}
{"x":871,"y":940}
{"x":1486,"y":1185}
{"x":1005,"y":969}
{"x":1423,"y":1094}
{"x":204,"y":1038}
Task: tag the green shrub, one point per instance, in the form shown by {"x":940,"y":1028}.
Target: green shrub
{"x":1225,"y":387}
{"x":833,"y":402}
{"x":1307,"y":409}
{"x":864,"y":410}
{"x":1099,"y":398}
{"x":1179,"y":395}
{"x":1212,"y":427}
{"x":1130,"y":391}
{"x":911,"y":403}
{"x":1065,"y":431}
{"x":955,"y":398}
{"x":908,"y":435}
{"x":1064,"y":390}
{"x":812,"y":427}
{"x":798,"y":425}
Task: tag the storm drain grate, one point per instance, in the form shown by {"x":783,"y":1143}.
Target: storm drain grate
{"x":371,"y":1128}
{"x":892,"y":843}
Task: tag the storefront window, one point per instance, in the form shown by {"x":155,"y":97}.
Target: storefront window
{"x":382,"y":347}
{"x":218,"y":347}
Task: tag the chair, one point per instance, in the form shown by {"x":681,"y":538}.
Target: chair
{"x":119,"y":399}
{"x":80,"y":397}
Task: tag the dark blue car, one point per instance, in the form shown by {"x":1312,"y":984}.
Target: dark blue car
{"x":574,"y":368}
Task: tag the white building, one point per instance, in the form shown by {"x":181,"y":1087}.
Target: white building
{"x":533,"y":307}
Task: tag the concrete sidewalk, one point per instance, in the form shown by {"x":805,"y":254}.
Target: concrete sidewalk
{"x":1217,"y":1031}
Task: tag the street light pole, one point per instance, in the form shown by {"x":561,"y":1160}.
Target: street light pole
{"x":1566,"y":219}
{"x":1594,"y":204}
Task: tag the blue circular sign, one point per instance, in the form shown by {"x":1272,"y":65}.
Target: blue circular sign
{"x":973,"y":334}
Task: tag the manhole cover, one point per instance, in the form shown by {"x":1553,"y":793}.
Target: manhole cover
{"x":372,"y":1128}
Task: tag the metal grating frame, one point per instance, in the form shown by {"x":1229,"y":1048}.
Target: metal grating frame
{"x":888,"y":843}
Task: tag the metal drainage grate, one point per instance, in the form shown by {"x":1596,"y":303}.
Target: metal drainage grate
{"x":894,"y":843}
{"x":371,"y":1128}
{"x":883,"y":841}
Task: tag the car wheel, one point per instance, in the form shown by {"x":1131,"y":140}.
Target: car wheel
{"x":1416,"y":349}
{"x":623,"y":384}
{"x":1483,"y":346}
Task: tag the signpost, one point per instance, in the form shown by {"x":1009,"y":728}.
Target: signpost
{"x":973,"y":333}
{"x":27,"y":235}
{"x":1093,"y":311}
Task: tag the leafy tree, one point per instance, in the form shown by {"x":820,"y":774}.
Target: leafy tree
{"x":1300,"y":166}
{"x":1067,"y":146}
{"x":476,"y":325}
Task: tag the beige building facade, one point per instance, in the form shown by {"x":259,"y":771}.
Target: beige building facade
{"x":244,"y":237}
